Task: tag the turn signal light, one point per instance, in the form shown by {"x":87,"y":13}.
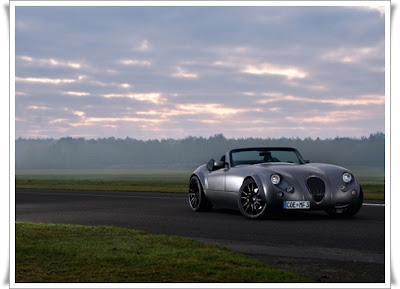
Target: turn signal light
{"x":279,"y":194}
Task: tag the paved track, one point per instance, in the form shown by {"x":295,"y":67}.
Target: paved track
{"x":308,"y":243}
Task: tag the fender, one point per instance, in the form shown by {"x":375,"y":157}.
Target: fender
{"x":260,"y":185}
{"x":200,"y":173}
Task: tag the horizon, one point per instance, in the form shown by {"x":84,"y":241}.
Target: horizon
{"x":172,"y":72}
{"x":217,"y":135}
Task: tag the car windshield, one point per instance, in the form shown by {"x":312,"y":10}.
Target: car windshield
{"x":265,"y":155}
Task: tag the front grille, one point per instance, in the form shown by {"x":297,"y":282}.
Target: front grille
{"x":316,"y":186}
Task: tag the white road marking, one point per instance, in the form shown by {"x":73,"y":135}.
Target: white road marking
{"x":373,"y":205}
{"x":140,"y":197}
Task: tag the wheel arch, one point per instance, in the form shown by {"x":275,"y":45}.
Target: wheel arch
{"x":259,"y":183}
{"x":201,"y":178}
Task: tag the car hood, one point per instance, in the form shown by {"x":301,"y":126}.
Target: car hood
{"x":325,"y":171}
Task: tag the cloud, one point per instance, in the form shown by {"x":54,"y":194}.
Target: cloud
{"x":45,"y":80}
{"x":144,"y":46}
{"x":199,"y":109}
{"x":77,"y":93}
{"x":273,"y":69}
{"x":352,"y":55}
{"x":380,"y":9}
{"x":182,"y":73}
{"x":26,"y":58}
{"x":329,"y":117}
{"x":112,"y":122}
{"x":210,"y":108}
{"x":51,"y":62}
{"x":58,"y":120}
{"x":362,"y":100}
{"x":125,"y":85}
{"x":36,"y":107}
{"x":153,"y":97}
{"x":121,"y":119}
{"x":79,"y":113}
{"x":135,"y":62}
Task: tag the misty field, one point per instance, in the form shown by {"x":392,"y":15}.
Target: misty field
{"x":158,"y":180}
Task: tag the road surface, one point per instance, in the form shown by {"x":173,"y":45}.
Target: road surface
{"x":308,"y":243}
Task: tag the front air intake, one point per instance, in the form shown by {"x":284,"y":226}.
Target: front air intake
{"x":316,"y":186}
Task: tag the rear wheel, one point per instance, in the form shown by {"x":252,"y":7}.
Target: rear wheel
{"x":348,"y":211}
{"x":250,"y":203}
{"x":197,"y":199}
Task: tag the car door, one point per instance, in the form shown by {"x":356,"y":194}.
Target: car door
{"x":216,"y":180}
{"x":217,"y":193}
{"x":216,"y":187}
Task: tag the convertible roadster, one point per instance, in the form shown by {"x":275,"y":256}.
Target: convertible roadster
{"x":257,"y":181}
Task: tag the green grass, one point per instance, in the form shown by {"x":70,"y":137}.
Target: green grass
{"x":106,"y":180}
{"x":369,"y":175}
{"x":170,"y":181}
{"x":374,"y":191}
{"x":69,"y":253}
{"x":372,"y":180}
{"x":89,"y":185}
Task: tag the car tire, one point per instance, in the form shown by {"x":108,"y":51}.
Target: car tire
{"x":197,"y":200}
{"x":250,"y":202}
{"x":349,"y":211}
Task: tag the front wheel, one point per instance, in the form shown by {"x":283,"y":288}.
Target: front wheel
{"x":349,"y":211}
{"x":250,"y":203}
{"x":197,"y":199}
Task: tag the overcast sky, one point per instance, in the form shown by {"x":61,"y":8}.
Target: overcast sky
{"x":171,"y":72}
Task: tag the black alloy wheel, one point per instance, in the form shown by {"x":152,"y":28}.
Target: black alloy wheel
{"x":250,"y":202}
{"x":197,"y":199}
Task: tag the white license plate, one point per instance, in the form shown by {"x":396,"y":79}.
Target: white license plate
{"x":296,"y":204}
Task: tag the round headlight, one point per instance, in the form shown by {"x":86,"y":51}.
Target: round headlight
{"x":347,"y":177}
{"x":275,"y":179}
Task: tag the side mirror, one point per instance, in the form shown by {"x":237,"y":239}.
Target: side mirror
{"x":210,"y":165}
{"x":218,"y":165}
{"x":213,"y":165}
{"x":306,"y":161}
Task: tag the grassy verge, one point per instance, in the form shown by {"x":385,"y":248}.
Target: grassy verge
{"x":103,"y":180}
{"x":90,"y":185}
{"x":66,"y":253}
{"x":373,"y":182}
{"x":374,"y":191}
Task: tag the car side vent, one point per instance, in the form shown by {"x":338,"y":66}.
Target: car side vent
{"x":316,"y":186}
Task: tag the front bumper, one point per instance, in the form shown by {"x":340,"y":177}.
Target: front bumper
{"x":335,"y":196}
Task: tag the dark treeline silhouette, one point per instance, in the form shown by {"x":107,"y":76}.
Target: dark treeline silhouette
{"x":114,"y":153}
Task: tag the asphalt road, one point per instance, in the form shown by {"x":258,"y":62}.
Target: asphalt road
{"x":308,"y":243}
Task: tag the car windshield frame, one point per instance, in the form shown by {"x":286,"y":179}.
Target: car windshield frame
{"x":264,"y":150}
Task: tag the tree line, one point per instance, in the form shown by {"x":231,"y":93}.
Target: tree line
{"x":190,"y":152}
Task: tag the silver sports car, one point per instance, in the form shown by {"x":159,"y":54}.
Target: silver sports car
{"x":260,"y":180}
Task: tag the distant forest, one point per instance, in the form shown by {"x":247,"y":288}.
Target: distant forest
{"x":190,"y":152}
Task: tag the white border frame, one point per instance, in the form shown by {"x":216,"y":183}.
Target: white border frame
{"x":386,"y":3}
